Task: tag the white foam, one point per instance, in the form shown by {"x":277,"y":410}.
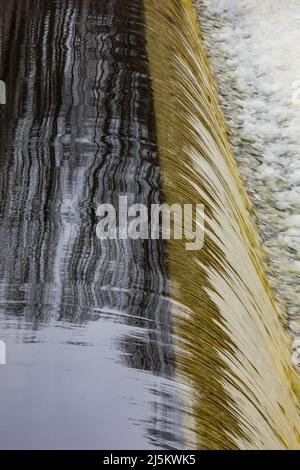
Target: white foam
{"x":254,"y":47}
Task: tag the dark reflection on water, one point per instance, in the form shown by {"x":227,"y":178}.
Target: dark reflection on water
{"x":86,"y":322}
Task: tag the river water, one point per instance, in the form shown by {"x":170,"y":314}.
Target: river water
{"x":135,"y":344}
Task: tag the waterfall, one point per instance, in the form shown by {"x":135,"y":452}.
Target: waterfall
{"x":140,"y":341}
{"x":232,"y":348}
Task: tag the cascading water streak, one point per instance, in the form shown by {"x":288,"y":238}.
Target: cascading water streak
{"x":232,"y":347}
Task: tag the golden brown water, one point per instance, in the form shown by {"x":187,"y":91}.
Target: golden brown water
{"x":232,"y":348}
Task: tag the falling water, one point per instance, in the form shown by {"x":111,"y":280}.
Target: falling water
{"x":231,"y":344}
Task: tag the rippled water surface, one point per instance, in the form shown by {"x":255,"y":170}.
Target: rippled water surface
{"x":86,"y":322}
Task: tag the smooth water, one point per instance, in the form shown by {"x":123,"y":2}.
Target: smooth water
{"x":87,"y":322}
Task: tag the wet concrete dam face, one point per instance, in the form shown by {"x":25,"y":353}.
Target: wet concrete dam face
{"x":86,"y":321}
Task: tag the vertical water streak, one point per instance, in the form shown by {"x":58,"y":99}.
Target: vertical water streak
{"x":232,"y":348}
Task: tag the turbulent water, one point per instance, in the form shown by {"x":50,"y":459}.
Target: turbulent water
{"x":254,"y":48}
{"x":86,"y":322}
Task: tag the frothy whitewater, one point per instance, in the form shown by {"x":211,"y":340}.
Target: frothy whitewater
{"x":254,"y":48}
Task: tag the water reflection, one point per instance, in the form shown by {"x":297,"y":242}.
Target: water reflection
{"x":65,"y":387}
{"x":78,"y":130}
